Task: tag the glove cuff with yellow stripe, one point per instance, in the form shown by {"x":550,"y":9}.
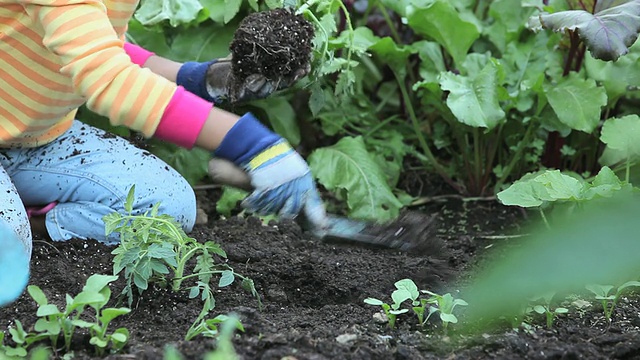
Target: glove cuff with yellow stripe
{"x":249,"y":144}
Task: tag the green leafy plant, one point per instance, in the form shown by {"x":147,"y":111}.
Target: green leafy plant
{"x":444,"y":306}
{"x":552,"y":187}
{"x":209,"y":327}
{"x":545,"y":308}
{"x":406,"y":290}
{"x":478,"y":92}
{"x":154,"y":248}
{"x":54,"y":323}
{"x":607,"y":299}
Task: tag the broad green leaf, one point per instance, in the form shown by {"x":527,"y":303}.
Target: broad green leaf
{"x":47,"y":310}
{"x":202,"y":43}
{"x":577,"y":101}
{"x":348,"y":166}
{"x":160,"y":252}
{"x":150,"y":38}
{"x":608,"y":33}
{"x":96,"y":341}
{"x":37,"y":294}
{"x":605,"y":184}
{"x":474,"y":99}
{"x":97,"y":282}
{"x":512,"y":14}
{"x":550,"y":185}
{"x":558,"y":260}
{"x":226,"y":279}
{"x":616,"y":77}
{"x":273,"y":4}
{"x":229,"y":200}
{"x":399,"y":296}
{"x":281,"y":116}
{"x":317,"y":99}
{"x":448,"y":318}
{"x":522,"y":193}
{"x":178,"y":12}
{"x":128,"y":204}
{"x":622,"y":135}
{"x":409,"y":286}
{"x":111,"y":313}
{"x":372,"y":301}
{"x":43,"y":325}
{"x":599,"y":290}
{"x":120,"y":336}
{"x":560,"y":186}
{"x":392,"y":54}
{"x":363,"y":38}
{"x":215,"y":9}
{"x":441,"y":22}
{"x":231,"y":9}
{"x":398,"y":6}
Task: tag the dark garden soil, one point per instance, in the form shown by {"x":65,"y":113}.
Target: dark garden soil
{"x":273,"y":43}
{"x":313,"y":296}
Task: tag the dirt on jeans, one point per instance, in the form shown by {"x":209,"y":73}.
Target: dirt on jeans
{"x":313,"y":296}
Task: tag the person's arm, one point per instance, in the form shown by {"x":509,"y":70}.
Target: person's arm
{"x":80,"y":34}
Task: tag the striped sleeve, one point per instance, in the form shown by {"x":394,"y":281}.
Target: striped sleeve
{"x":80,"y":34}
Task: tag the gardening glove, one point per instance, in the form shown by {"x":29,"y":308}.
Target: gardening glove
{"x":281,"y":180}
{"x":14,"y":265}
{"x":214,"y":81}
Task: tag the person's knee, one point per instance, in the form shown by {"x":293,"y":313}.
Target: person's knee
{"x":14,"y":265}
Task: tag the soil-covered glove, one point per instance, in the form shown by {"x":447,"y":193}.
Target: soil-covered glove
{"x":14,"y":265}
{"x":280,"y":177}
{"x":214,"y":81}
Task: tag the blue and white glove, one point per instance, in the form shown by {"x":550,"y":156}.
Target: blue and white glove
{"x":281,"y":178}
{"x":214,"y":81}
{"x":14,"y":265}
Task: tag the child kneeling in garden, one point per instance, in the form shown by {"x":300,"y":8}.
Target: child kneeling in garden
{"x":60,"y":176}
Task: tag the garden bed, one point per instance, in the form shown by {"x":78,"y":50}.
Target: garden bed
{"x":313,"y":294}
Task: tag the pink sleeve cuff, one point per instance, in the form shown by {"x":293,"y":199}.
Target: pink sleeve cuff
{"x":137,"y":54}
{"x":183,"y":119}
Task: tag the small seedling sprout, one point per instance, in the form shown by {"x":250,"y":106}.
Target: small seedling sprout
{"x":607,"y":299}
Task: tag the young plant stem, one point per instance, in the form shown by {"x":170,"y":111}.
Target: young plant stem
{"x":544,"y":219}
{"x":390,"y":24}
{"x":421,"y":139}
{"x":477,"y":162}
{"x":179,"y":270}
{"x":491,"y":157}
{"x":516,"y":156}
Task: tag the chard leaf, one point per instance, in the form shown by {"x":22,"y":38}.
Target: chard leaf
{"x":577,"y":102}
{"x":474,"y":99}
{"x":616,"y":77}
{"x":551,"y":185}
{"x":178,"y":12}
{"x":441,"y":22}
{"x":392,"y":54}
{"x":348,"y":166}
{"x":608,"y":33}
{"x":622,"y":135}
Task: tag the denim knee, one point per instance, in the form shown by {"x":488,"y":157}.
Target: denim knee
{"x":176,"y":199}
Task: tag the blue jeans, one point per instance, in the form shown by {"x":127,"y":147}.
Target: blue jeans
{"x":89,"y":173}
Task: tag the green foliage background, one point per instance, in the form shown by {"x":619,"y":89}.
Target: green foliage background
{"x":478,"y":92}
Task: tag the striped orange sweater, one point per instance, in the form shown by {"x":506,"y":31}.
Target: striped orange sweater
{"x":56,"y":55}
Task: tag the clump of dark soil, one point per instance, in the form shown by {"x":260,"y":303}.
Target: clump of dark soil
{"x":273,"y":43}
